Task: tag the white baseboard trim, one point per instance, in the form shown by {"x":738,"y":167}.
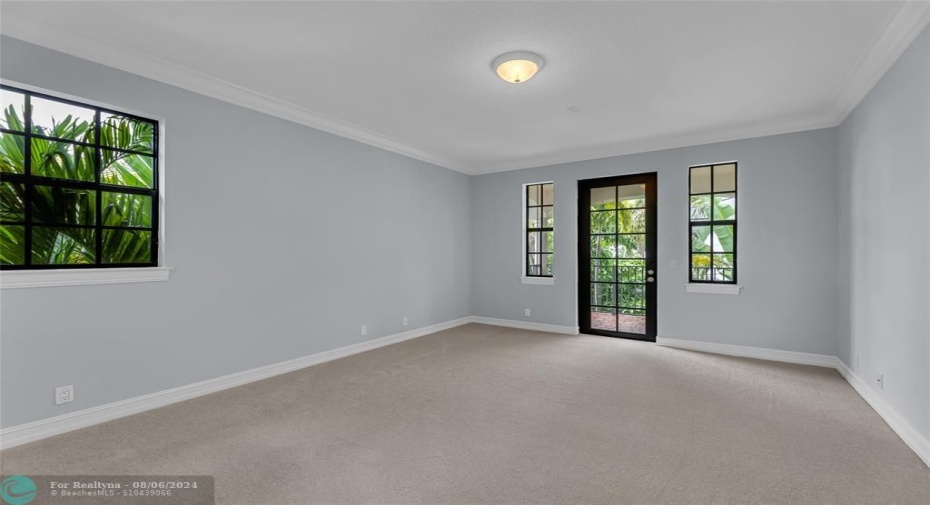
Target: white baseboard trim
{"x":917,"y":442}
{"x":800,"y":358}
{"x":44,"y":428}
{"x":526,"y":325}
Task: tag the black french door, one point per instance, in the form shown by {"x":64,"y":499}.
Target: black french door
{"x":617,"y":256}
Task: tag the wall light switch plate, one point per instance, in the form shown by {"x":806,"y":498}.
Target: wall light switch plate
{"x":672,"y":264}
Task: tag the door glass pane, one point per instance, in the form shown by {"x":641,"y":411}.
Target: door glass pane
{"x":603,"y":270}
{"x":631,"y":296}
{"x":603,"y":198}
{"x":631,"y":271}
{"x":631,"y":221}
{"x":547,"y":264}
{"x":604,"y":318}
{"x":618,"y":239}
{"x":604,"y":221}
{"x":700,"y":180}
{"x":631,"y":196}
{"x":603,"y":294}
{"x":604,"y":246}
{"x":631,"y":321}
{"x":631,"y":246}
{"x":724,"y":178}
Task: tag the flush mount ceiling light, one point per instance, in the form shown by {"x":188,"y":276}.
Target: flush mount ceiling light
{"x":517,"y":66}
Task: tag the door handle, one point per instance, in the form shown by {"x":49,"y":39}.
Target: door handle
{"x":651,"y":272}
{"x":650,"y":279}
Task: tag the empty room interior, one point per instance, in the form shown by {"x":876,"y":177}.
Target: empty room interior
{"x":465,"y":252}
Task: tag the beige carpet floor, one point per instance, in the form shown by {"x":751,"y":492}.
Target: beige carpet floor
{"x":481,"y":414}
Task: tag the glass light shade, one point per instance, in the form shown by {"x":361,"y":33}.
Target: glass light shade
{"x":518,"y":66}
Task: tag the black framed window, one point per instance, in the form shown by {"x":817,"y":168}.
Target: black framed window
{"x":78,"y":184}
{"x":713,"y":223}
{"x":539,"y":230}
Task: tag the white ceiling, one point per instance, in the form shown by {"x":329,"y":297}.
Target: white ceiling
{"x":415,"y":77}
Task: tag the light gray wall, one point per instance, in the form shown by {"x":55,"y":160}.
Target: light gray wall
{"x":884,"y":160}
{"x":787,"y":214}
{"x":284,"y":239}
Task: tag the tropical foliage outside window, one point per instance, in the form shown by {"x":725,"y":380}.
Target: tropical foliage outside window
{"x":713,"y":223}
{"x":539,"y":230}
{"x":78,"y":184}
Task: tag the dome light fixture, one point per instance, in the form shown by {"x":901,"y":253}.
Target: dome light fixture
{"x":517,"y":66}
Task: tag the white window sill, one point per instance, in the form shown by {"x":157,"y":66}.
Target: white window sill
{"x":539,"y":281}
{"x":10,"y":279}
{"x":714,"y":289}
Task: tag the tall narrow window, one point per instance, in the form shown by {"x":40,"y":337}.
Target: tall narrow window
{"x":79,"y":184}
{"x":539,"y":230}
{"x":713,"y":223}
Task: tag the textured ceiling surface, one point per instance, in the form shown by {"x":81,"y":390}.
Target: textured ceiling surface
{"x":417,"y":74}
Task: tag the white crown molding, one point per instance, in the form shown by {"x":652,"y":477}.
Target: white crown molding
{"x":44,"y":428}
{"x":674,"y":141}
{"x":908,"y":21}
{"x":898,"y":33}
{"x":88,"y":48}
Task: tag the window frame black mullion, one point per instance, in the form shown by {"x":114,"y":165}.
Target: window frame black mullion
{"x":711,"y":222}
{"x":541,"y":254}
{"x":31,"y":181}
{"x":27,"y":174}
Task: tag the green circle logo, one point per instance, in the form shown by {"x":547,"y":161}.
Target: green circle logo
{"x":18,"y":490}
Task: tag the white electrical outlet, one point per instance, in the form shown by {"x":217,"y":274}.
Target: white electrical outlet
{"x":405,"y":321}
{"x":881,"y":381}
{"x":364,"y":330}
{"x":527,"y":312}
{"x":64,"y":394}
